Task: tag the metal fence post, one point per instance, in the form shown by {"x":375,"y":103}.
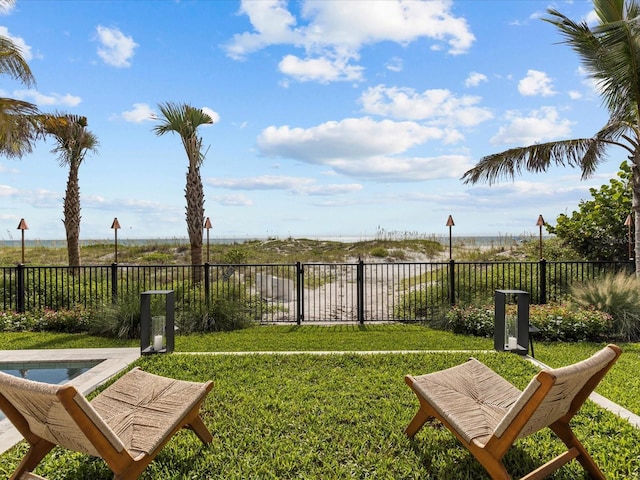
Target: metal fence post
{"x":207,"y":285}
{"x":114,"y":283}
{"x":360,"y":291}
{"x":20,"y":297}
{"x":299,"y":293}
{"x":452,"y":282}
{"x":543,"y":282}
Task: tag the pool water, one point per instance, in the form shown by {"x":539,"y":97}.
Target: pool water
{"x":47,"y":372}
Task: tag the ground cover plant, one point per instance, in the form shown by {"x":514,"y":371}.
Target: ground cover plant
{"x":338,"y":416}
{"x":555,"y":322}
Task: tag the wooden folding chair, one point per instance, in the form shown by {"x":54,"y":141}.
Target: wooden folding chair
{"x":488,"y":414}
{"x":126,"y":425}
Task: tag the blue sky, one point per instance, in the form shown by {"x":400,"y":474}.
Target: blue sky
{"x":332,"y":119}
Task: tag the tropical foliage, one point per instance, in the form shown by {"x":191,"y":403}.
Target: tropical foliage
{"x":184,"y":120}
{"x":597,"y":230}
{"x":73,"y":142}
{"x":610,"y":54}
{"x":18,"y":124}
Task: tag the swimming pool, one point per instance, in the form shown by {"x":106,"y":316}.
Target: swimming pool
{"x":47,"y":372}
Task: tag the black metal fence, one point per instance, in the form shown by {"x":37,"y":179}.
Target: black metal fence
{"x":309,"y":292}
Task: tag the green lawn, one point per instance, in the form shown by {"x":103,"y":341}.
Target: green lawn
{"x":313,"y":416}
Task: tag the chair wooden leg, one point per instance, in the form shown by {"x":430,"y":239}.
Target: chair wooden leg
{"x":417,"y":423}
{"x":133,"y":471}
{"x":33,"y":457}
{"x":494,"y":466}
{"x":199,"y":428}
{"x":564,"y":432}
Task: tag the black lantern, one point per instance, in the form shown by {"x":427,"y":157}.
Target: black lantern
{"x":157,"y":319}
{"x":511,"y":321}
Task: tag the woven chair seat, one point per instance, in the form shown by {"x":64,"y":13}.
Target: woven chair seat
{"x":142,"y":407}
{"x":471,"y":397}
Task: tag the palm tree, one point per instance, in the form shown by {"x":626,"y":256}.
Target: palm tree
{"x":18,"y":127}
{"x":610,"y":53}
{"x":184,"y":120}
{"x":73,"y":141}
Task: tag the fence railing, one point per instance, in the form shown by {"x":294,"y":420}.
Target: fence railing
{"x":301,"y":292}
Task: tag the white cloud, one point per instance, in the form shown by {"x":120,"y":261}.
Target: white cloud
{"x":236,"y":200}
{"x":396,"y":64}
{"x":575,"y":95}
{"x":536,"y":83}
{"x":141,"y":112}
{"x":18,"y":42}
{"x":321,"y":69}
{"x":474,"y":79}
{"x":403,"y":169}
{"x":8,"y":191}
{"x":265,"y":182}
{"x":352,"y":137}
{"x":547,"y":192}
{"x":592,"y":18}
{"x":116,"y":49}
{"x":273,"y":24}
{"x":212,"y":113}
{"x":439,"y":106}
{"x":9,"y":170}
{"x":540,"y":125}
{"x":40,"y":99}
{"x":364,"y":148}
{"x":299,"y":185}
{"x":331,"y":38}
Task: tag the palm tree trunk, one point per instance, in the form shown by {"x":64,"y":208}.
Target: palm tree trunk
{"x":194,"y":194}
{"x":635,"y":205}
{"x":72,"y":215}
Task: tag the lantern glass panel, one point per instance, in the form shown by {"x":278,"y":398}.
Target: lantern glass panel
{"x":511,"y":331}
{"x":158,"y":327}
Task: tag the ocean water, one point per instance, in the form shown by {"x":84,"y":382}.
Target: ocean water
{"x":466,"y":240}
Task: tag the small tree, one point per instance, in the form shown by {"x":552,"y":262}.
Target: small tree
{"x":597,"y":231}
{"x":73,"y":141}
{"x":184,"y":120}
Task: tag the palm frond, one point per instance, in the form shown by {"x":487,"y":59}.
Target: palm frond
{"x":584,"y":153}
{"x":72,"y":138}
{"x":13,"y":63}
{"x":610,"y":52}
{"x":184,"y":120}
{"x":18,"y":127}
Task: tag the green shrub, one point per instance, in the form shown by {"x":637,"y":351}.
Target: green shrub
{"x":570,"y":323}
{"x":379,"y":252}
{"x":616,"y":294}
{"x":555,"y":322}
{"x":158,"y":258}
{"x":476,"y":321}
{"x":46,"y":320}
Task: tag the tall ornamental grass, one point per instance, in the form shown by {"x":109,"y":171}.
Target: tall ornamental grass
{"x":616,"y":294}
